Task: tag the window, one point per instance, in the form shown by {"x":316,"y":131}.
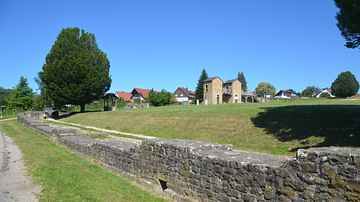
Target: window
{"x":206,"y":88}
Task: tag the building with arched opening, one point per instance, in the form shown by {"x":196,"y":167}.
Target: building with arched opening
{"x":217,"y":92}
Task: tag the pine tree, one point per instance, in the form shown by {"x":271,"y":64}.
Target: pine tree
{"x":348,"y":19}
{"x":200,"y":86}
{"x":76,"y":70}
{"x":22,"y":96}
{"x":241,"y":78}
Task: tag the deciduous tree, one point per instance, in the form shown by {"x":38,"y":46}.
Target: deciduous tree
{"x":4,"y":96}
{"x":265,"y":88}
{"x":22,"y":96}
{"x":161,"y":98}
{"x":310,"y":91}
{"x":76,"y":71}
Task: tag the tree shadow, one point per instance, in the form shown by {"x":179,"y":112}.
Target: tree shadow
{"x":339,"y":125}
{"x":63,"y":115}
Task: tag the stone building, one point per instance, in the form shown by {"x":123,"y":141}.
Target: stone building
{"x":232,"y":91}
{"x":213,"y":90}
{"x":218,"y":92}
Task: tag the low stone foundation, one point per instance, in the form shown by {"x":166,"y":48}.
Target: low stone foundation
{"x":214,"y":172}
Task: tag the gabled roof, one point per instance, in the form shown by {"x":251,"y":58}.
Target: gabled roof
{"x":212,"y":78}
{"x":143,"y":92}
{"x":288,"y":93}
{"x":124,"y":95}
{"x":186,"y":92}
{"x":230,"y":81}
{"x":109,"y":95}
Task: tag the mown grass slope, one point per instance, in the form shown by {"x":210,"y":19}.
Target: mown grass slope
{"x":65,"y":176}
{"x":275,"y":127}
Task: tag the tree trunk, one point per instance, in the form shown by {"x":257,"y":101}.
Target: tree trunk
{"x":82,"y":108}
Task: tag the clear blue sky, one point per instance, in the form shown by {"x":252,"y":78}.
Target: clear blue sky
{"x":165,"y":44}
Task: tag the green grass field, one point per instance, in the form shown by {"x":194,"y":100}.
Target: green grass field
{"x":275,"y":127}
{"x":65,"y":176}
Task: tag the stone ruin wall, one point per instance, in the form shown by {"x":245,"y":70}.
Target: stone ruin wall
{"x":202,"y":171}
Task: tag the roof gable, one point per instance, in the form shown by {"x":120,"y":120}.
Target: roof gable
{"x":124,"y":95}
{"x":143,"y":92}
{"x":212,"y":78}
{"x":184,"y":91}
{"x":231,"y":81}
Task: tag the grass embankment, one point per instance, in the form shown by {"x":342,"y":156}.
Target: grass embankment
{"x":65,"y":176}
{"x":272,"y":127}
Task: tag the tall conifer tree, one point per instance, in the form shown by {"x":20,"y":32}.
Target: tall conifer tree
{"x":200,"y":86}
{"x":241,"y":78}
{"x":76,"y":71}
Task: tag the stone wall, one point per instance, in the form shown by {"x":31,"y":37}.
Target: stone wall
{"x":215,"y":172}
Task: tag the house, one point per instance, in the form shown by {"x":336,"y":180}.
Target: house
{"x":139,"y":94}
{"x":325,"y":92}
{"x":286,"y":94}
{"x":217,"y":92}
{"x":232,"y":91}
{"x":124,"y":95}
{"x":184,"y":96}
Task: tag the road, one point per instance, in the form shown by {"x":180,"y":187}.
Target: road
{"x":14,"y":184}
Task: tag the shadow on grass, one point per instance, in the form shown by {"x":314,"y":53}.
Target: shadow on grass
{"x":339,"y":125}
{"x":63,"y":115}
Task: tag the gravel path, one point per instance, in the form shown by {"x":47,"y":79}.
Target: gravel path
{"x":104,"y":130}
{"x":14,"y":184}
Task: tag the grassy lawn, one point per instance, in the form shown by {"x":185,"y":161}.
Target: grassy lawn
{"x":271,"y":127}
{"x":65,"y":176}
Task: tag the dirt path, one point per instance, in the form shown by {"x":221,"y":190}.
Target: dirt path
{"x":14,"y":184}
{"x":104,"y":130}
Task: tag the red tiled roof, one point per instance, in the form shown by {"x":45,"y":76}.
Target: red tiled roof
{"x":143,"y":92}
{"x":124,"y":95}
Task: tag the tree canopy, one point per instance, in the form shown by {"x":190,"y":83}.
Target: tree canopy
{"x":161,"y":98}
{"x":345,"y":85}
{"x":4,"y":96}
{"x":348,"y":19}
{"x":22,"y":96}
{"x":76,"y":71}
{"x":310,"y":91}
{"x":265,"y":88}
{"x":241,"y":78}
{"x":200,"y":86}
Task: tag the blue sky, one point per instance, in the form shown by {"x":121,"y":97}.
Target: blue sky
{"x":163,"y":44}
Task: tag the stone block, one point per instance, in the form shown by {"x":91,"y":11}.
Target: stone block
{"x":354,"y":185}
{"x":309,"y":167}
{"x":287,"y":191}
{"x":337,"y":183}
{"x":327,"y":170}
